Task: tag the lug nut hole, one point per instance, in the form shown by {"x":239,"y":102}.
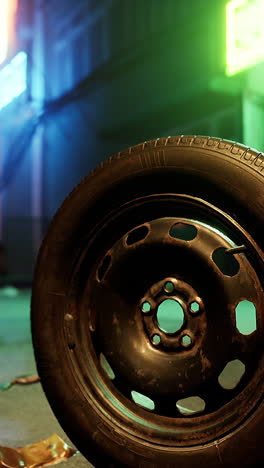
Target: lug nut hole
{"x":168,"y":286}
{"x":145,"y":306}
{"x":195,"y":307}
{"x":156,"y":339}
{"x":186,"y":341}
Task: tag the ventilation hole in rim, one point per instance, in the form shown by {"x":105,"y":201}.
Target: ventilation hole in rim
{"x":137,"y":235}
{"x":191,"y":405}
{"x":246,"y":317}
{"x":170,"y":316}
{"x":231,"y":374}
{"x":183,"y":231}
{"x":227,"y":264}
{"x":106,"y":366}
{"x":103,"y":267}
{"x":143,"y":400}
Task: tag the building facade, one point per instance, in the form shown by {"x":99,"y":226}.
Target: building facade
{"x":103,"y":75}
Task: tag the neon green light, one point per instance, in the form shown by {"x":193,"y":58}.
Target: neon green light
{"x":244,"y":34}
{"x":4,"y":11}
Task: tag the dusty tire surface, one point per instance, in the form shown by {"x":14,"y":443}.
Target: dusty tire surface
{"x":223,"y":174}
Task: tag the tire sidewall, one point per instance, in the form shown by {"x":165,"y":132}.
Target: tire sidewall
{"x":212,"y":174}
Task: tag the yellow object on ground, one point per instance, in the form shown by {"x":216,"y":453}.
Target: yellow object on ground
{"x":45,"y":453}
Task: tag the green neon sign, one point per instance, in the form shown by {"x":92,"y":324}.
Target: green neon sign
{"x":244,"y":34}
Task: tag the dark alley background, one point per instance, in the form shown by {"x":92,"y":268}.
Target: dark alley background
{"x":96,"y":77}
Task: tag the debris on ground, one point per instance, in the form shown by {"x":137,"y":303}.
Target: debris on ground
{"x":45,"y":453}
{"x":21,"y":380}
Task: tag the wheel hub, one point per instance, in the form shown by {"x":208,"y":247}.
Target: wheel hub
{"x":163,"y":309}
{"x":133,"y":358}
{"x":175,"y":313}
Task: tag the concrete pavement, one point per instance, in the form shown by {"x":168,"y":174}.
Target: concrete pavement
{"x":25,"y":415}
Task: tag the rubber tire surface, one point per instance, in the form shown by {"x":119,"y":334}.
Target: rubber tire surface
{"x":226,"y":174}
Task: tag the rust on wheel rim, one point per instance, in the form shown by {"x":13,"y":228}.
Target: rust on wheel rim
{"x":168,"y":380}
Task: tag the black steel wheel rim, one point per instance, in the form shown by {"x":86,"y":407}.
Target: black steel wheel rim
{"x":126,"y":262}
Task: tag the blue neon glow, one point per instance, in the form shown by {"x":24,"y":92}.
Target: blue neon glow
{"x":13,"y":79}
